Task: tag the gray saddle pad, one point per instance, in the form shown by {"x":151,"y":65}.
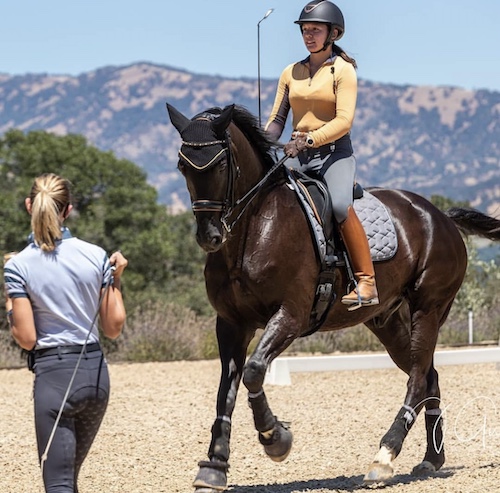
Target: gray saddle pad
{"x":374,"y":217}
{"x":378,"y":225}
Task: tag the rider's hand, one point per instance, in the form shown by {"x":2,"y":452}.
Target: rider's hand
{"x":296,"y":145}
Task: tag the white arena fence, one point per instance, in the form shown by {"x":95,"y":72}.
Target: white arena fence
{"x":280,"y":369}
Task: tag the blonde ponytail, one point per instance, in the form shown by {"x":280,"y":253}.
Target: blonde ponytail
{"x":50,"y":198}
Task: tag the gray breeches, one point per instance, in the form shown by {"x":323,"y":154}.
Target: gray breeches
{"x":339,"y":175}
{"x":81,"y":417}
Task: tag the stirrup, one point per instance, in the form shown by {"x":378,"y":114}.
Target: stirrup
{"x":355,"y":304}
{"x":359,"y":302}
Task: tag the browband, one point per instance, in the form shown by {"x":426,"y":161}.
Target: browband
{"x":195,"y":166}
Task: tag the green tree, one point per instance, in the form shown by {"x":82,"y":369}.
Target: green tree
{"x":479,"y":292}
{"x":444,"y":203}
{"x":114,"y":207}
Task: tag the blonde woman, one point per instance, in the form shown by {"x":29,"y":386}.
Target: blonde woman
{"x":56,"y":288}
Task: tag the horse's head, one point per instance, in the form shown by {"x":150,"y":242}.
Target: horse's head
{"x":205,"y":162}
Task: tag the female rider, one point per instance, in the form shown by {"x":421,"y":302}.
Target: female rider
{"x":321,"y":91}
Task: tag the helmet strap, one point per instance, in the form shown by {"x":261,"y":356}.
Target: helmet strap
{"x":328,"y":41}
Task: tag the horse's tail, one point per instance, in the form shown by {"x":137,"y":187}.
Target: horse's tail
{"x":473,"y":222}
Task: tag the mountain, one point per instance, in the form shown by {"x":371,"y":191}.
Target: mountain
{"x":431,"y":140}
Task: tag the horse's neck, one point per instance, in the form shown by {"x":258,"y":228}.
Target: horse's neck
{"x":248,"y":193}
{"x":248,"y":227}
{"x":246,"y":214}
{"x":249,"y":172}
{"x":250,"y":167}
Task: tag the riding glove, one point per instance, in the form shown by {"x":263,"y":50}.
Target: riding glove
{"x":296,"y":145}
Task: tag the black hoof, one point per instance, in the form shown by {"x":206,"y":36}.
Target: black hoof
{"x":211,"y":476}
{"x":278,"y":446}
{"x":429,"y":465}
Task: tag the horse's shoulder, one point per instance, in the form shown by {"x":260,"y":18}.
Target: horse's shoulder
{"x":284,"y":197}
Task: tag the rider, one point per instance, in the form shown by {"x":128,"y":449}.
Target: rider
{"x":321,"y":90}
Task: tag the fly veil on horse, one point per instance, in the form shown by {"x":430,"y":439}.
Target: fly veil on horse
{"x":262,"y":269}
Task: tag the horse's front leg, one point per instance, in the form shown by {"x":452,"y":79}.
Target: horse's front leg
{"x":274,"y":435}
{"x":233,"y":343}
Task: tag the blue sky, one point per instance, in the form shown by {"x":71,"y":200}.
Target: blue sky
{"x":424,"y":42}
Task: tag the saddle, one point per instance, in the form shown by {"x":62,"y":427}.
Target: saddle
{"x":315,"y":200}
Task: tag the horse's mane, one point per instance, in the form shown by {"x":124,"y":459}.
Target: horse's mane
{"x":255,"y":134}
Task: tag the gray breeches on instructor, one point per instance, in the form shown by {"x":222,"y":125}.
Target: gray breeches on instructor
{"x":80,"y":419}
{"x":338,"y":172}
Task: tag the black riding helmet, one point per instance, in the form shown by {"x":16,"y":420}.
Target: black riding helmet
{"x":325,"y":12}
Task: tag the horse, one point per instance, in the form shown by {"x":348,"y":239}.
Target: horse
{"x":261,"y":273}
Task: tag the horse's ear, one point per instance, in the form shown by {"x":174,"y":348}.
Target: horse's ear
{"x":179,"y":121}
{"x":222,"y":122}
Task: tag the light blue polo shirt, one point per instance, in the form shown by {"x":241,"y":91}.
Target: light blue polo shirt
{"x":63,"y":286}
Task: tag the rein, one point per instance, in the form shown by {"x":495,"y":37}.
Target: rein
{"x":251,"y":194}
{"x":227,"y":206}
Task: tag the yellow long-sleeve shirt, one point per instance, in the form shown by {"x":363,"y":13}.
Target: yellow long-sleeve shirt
{"x":323,"y":105}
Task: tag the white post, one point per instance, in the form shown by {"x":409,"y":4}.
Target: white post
{"x":471,"y":328}
{"x":278,"y":373}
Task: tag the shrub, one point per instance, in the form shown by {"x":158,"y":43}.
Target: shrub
{"x":159,"y":331}
{"x":11,"y":356}
{"x":357,"y":338}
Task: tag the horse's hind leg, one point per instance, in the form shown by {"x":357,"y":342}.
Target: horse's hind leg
{"x":411,"y":346}
{"x":434,"y":454}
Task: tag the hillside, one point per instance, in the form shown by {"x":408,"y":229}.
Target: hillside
{"x":431,"y":140}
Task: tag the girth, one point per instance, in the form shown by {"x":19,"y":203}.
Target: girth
{"x":315,"y":200}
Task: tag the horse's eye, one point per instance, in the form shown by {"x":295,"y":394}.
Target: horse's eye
{"x":181,"y":166}
{"x":222,"y":166}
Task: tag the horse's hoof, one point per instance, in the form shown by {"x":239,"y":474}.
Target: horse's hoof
{"x":423,"y":469}
{"x":212,"y":477}
{"x":278,"y":446}
{"x":378,"y":473}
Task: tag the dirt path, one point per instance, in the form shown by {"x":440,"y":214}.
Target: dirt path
{"x":158,"y":424}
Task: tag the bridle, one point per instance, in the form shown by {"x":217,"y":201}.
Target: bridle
{"x":230,"y":203}
{"x":207,"y":205}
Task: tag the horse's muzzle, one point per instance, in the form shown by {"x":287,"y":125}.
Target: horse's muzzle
{"x":213,"y":245}
{"x":209,"y":236}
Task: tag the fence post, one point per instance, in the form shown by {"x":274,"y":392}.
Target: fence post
{"x":471,"y":328}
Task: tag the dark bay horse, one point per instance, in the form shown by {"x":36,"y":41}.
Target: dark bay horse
{"x":261,"y":272}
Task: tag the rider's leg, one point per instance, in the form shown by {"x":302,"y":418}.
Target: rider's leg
{"x":339,"y":178}
{"x":355,"y":240}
